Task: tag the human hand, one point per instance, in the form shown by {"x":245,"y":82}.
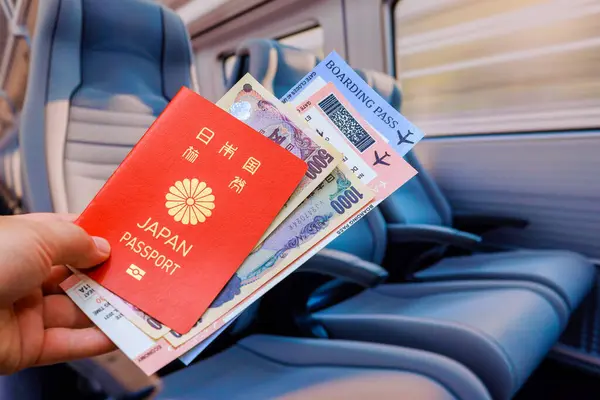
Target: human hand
{"x":39,"y":324}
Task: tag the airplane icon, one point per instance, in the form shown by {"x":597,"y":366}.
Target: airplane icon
{"x":404,"y":138}
{"x":381,"y":160}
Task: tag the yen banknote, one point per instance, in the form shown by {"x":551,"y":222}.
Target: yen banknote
{"x":251,"y":103}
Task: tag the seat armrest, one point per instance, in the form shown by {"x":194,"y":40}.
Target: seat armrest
{"x":422,"y":233}
{"x":346,"y":267}
{"x":481,"y":223}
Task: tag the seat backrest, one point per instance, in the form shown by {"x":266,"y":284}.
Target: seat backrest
{"x":276,"y":66}
{"x":279,"y":67}
{"x":387,"y":87}
{"x":100,"y":73}
{"x":420,"y":200}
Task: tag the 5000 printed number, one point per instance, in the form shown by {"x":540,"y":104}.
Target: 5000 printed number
{"x":318,"y":162}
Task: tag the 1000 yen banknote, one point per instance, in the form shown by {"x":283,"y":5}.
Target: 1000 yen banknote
{"x":334,"y":201}
{"x":252,"y":104}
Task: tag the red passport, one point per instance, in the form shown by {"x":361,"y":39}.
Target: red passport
{"x":186,"y":207}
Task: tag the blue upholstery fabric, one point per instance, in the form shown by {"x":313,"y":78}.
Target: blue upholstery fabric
{"x":133,"y":55}
{"x":129,"y":58}
{"x":499,"y":330}
{"x":65,"y":41}
{"x":177,"y":55}
{"x":276,"y":66}
{"x":89,"y":54}
{"x":31,"y":135}
{"x":366,"y":239}
{"x":389,"y":90}
{"x":108,"y":67}
{"x":419,"y":201}
{"x":569,"y":274}
{"x":261,"y":367}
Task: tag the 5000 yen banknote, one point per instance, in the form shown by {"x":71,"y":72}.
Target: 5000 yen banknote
{"x":251,"y":103}
{"x":338,"y":197}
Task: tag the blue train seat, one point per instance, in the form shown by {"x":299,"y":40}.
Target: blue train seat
{"x":97,"y":81}
{"x":81,"y":118}
{"x":418,"y":212}
{"x":265,"y":367}
{"x":276,"y":66}
{"x":499,"y":329}
{"x":511,"y":319}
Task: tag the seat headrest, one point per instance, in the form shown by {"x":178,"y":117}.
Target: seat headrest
{"x":386,"y":86}
{"x":276,"y":66}
{"x":134,"y":64}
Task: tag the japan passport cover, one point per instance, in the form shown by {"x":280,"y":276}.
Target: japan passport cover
{"x":186,"y":207}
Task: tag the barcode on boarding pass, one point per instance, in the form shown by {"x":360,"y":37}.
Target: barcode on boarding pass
{"x":346,"y":123}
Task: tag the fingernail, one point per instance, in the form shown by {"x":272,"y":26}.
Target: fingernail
{"x":102,"y":244}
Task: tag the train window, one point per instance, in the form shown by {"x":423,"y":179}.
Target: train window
{"x":310,"y":40}
{"x":498,"y":66}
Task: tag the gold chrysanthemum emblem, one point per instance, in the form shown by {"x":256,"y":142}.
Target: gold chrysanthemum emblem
{"x":190,"y":201}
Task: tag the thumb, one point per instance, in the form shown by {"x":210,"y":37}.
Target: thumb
{"x":29,"y":247}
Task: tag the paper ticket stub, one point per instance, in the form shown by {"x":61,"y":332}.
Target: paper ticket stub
{"x":130,"y":339}
{"x":148,"y":354}
{"x":400,"y":132}
{"x":254,"y":105}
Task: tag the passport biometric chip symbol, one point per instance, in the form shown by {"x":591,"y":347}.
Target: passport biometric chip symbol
{"x":136,"y":272}
{"x":190,"y":201}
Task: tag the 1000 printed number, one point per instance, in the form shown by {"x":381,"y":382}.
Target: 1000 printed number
{"x":346,"y":200}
